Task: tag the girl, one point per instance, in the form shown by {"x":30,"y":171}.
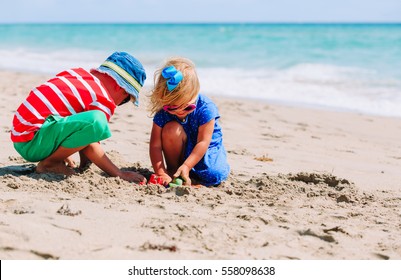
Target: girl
{"x":186,"y":138}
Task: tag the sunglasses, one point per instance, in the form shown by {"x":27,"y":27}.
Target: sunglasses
{"x":169,"y":108}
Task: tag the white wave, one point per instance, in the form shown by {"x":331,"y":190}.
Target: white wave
{"x":50,"y":62}
{"x":340,"y":88}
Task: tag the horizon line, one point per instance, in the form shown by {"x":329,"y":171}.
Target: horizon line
{"x":212,"y":22}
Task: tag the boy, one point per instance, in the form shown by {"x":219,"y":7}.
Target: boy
{"x":70,"y":113}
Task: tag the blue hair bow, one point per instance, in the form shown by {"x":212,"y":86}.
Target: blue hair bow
{"x":173,"y":76}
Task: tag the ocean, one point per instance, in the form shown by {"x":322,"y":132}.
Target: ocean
{"x":345,"y":67}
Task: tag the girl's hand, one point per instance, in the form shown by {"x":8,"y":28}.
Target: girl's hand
{"x":165,"y":177}
{"x":183,"y":171}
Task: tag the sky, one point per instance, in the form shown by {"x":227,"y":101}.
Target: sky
{"x":199,"y":11}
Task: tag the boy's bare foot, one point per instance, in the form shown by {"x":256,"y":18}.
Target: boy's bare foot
{"x":70,"y":162}
{"x":83,"y":166}
{"x":59,"y":168}
{"x":84,"y":163}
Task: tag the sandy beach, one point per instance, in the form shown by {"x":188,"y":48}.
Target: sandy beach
{"x":305,"y":184}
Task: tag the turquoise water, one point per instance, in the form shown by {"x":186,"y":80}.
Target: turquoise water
{"x":341,"y":66}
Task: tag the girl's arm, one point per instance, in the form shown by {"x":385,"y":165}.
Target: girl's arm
{"x":155,"y":151}
{"x":205,"y":134}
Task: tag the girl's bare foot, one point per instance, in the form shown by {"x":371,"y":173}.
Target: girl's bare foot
{"x":59,"y":168}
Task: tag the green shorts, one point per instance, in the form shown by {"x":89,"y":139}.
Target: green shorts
{"x":73,"y":131}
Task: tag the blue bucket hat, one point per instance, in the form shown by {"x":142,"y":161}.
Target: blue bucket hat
{"x":127,"y":71}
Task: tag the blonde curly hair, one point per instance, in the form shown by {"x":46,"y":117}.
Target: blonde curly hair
{"x":185,"y":91}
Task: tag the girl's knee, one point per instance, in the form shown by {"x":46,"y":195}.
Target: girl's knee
{"x":174,"y":131}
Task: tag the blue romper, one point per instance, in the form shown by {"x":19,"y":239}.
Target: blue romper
{"x":213,"y":168}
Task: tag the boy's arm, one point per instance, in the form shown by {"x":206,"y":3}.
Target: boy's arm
{"x":95,"y":154}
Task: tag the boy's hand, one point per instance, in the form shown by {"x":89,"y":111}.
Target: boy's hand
{"x":132,"y":176}
{"x":183,"y":171}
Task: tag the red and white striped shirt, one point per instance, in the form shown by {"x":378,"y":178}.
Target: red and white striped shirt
{"x":70,"y":92}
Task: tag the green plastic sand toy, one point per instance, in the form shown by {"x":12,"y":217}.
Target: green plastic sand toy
{"x":176,"y":182}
